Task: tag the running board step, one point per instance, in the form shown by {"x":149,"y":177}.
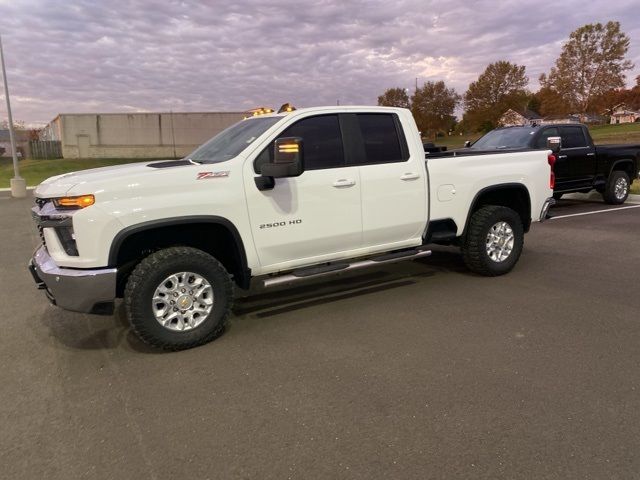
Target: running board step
{"x":320,"y":271}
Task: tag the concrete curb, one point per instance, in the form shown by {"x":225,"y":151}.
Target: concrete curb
{"x":8,"y":189}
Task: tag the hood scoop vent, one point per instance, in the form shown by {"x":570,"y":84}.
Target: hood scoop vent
{"x":169,"y":163}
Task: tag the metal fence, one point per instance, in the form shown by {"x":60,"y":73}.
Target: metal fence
{"x":45,"y":149}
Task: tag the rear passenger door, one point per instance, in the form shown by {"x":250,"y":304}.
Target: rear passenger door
{"x":579,"y":154}
{"x":393,"y":185}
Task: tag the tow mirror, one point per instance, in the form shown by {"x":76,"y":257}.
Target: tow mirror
{"x":554,"y":144}
{"x":467,"y":144}
{"x":288,"y":161}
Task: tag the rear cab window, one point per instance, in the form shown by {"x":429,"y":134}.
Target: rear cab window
{"x":383,"y":139}
{"x":573,"y":137}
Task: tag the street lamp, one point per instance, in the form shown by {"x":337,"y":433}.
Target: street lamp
{"x":18,"y":184}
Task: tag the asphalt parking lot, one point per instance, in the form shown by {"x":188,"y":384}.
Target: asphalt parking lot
{"x":420,"y":370}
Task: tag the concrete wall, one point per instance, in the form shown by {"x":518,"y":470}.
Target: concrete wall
{"x":138,"y":135}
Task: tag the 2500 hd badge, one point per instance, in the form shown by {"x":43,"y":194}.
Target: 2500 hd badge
{"x":280,"y":224}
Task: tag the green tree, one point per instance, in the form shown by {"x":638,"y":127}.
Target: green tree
{"x":394,"y":97}
{"x":591,"y":63}
{"x":503,"y":85}
{"x":432,"y":106}
{"x":551,"y":102}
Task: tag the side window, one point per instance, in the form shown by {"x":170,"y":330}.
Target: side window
{"x":549,"y":132}
{"x":382,"y":141}
{"x":322,"y":143}
{"x":572,"y":137}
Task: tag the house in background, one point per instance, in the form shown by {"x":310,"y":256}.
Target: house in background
{"x":622,"y":114}
{"x":512,"y":118}
{"x":561,"y":119}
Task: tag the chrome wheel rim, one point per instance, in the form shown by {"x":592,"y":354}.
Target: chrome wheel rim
{"x":621,"y":188}
{"x":500,"y":242}
{"x":182,"y":301}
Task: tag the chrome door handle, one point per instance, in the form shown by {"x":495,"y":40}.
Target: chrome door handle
{"x":344,"y":182}
{"x":409,"y":176}
{"x":590,"y":154}
{"x":562,"y":156}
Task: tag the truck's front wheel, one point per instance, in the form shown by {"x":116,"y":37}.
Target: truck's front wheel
{"x":178,"y":298}
{"x":494,"y":240}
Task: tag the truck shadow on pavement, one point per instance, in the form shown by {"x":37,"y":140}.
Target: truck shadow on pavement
{"x":330,"y":289}
{"x":92,"y":332}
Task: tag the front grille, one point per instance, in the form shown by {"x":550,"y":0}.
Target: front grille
{"x":46,"y":216}
{"x":41,"y":234}
{"x":40,"y":202}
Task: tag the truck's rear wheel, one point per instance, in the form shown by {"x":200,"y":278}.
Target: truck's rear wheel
{"x":494,"y":240}
{"x":178,"y":298}
{"x":617,"y":189}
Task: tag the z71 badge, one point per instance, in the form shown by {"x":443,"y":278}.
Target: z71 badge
{"x":203,"y":175}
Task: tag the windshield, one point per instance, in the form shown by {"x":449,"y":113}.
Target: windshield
{"x":230,"y":142}
{"x":517,"y":137}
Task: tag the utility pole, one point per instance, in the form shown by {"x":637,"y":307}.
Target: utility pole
{"x":18,"y":184}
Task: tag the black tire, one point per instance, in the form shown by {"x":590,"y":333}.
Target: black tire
{"x":150,"y":273}
{"x":613,"y":195}
{"x":557,"y":196}
{"x":474,"y":243}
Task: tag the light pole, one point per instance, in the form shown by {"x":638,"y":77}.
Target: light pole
{"x":18,"y":184}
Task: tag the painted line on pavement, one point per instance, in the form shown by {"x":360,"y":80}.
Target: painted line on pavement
{"x":594,"y":212}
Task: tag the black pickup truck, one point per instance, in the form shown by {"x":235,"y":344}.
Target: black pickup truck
{"x":580,"y":166}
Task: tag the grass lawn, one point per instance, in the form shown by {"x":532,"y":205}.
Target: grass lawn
{"x":625,"y":133}
{"x":35,"y":171}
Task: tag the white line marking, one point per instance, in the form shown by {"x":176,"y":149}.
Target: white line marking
{"x":595,"y":211}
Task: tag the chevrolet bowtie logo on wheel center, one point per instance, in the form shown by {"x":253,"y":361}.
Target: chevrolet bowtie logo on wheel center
{"x":185,"y":302}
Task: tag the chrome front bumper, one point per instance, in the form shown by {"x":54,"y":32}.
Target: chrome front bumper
{"x":548,"y":203}
{"x":86,"y":291}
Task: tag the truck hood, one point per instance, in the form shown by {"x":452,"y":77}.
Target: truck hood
{"x":88,"y":181}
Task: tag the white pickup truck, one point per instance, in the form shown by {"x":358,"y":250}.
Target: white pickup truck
{"x":273,"y":200}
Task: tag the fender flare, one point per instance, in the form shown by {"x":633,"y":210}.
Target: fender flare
{"x":497,"y":187}
{"x":125,"y":233}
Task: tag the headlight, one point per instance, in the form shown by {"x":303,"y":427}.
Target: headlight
{"x":73,"y":203}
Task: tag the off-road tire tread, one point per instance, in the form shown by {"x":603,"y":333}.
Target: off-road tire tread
{"x":473,"y":244}
{"x":160,"y":259}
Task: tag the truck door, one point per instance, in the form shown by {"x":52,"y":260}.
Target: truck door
{"x":314,"y":215}
{"x":579,"y":154}
{"x":394,"y":196}
{"x":561,"y":167}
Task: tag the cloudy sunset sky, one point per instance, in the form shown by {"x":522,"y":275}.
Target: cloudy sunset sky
{"x":119,"y":56}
